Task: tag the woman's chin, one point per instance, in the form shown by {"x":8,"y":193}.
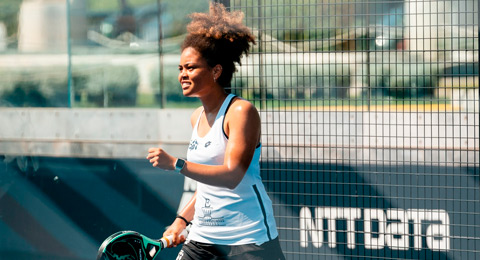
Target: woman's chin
{"x":187,"y":93}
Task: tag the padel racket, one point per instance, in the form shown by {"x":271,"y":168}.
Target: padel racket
{"x":132,"y":245}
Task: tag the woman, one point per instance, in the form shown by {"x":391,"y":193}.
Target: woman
{"x":231,"y":214}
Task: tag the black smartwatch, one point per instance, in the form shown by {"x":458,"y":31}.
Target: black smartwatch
{"x":179,"y":165}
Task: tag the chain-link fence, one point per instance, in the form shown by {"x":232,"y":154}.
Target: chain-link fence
{"x":371,"y":148}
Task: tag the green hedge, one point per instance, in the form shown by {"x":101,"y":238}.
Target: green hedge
{"x":287,"y":81}
{"x":116,"y":86}
{"x":92,"y":86}
{"x":404,"y":80}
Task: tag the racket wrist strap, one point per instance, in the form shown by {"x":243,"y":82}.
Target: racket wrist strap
{"x":184,"y":219}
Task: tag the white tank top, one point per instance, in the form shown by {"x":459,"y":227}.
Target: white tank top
{"x":224,"y":216}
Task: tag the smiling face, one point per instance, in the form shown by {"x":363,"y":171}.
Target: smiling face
{"x":195,"y":76}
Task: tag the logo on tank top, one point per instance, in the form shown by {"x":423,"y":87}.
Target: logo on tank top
{"x":207,"y":144}
{"x":207,"y":219}
{"x":193,"y":145}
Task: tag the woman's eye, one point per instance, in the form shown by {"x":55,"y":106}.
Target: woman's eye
{"x":186,"y":68}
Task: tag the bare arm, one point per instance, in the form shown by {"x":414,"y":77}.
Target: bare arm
{"x":242,"y":125}
{"x":179,"y":224}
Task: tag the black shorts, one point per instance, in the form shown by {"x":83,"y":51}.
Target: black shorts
{"x":193,"y":250}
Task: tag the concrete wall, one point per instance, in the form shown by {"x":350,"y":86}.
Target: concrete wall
{"x":379,"y":137}
{"x":93,"y":133}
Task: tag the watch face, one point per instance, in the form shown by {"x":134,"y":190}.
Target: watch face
{"x":179,"y":165}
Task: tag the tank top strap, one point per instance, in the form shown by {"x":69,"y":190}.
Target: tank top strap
{"x":225,"y":105}
{"x":221,"y":111}
{"x":198,"y":121}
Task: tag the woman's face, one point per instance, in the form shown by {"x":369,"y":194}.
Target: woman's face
{"x":195,"y":76}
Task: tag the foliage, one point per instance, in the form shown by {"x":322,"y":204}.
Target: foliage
{"x":98,"y":86}
{"x":113,"y":5}
{"x":404,"y":80}
{"x":9,"y":14}
{"x":292,"y":80}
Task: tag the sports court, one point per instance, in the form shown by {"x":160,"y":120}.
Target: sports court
{"x":369,"y":109}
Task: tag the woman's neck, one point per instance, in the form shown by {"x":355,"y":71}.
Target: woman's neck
{"x":213,"y":102}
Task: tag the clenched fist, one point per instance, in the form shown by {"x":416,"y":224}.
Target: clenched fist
{"x":161,"y":159}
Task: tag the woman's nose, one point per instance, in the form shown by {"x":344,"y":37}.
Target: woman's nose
{"x":183,"y":73}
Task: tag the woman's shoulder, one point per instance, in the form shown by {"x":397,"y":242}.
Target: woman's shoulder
{"x":239,"y":104}
{"x":242,"y":108}
{"x":243,"y":117}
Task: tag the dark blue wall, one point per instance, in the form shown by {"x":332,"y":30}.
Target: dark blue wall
{"x":63,"y":208}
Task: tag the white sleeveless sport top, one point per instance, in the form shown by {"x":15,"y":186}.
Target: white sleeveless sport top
{"x":224,"y":216}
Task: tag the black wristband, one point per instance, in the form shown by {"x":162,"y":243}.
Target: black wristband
{"x":184,"y":219}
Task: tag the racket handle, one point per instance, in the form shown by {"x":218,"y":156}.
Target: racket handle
{"x":168,"y":240}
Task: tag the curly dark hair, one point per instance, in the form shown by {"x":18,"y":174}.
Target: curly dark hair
{"x":221,"y":38}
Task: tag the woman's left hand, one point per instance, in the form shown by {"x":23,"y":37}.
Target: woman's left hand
{"x":176,"y":229}
{"x":161,"y":159}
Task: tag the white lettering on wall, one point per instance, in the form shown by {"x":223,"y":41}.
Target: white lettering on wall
{"x":374,"y":240}
{"x":391,"y":227}
{"x":334,"y":214}
{"x":311,"y":228}
{"x":398,"y":228}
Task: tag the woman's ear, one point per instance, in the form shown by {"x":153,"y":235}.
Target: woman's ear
{"x":217,"y":71}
